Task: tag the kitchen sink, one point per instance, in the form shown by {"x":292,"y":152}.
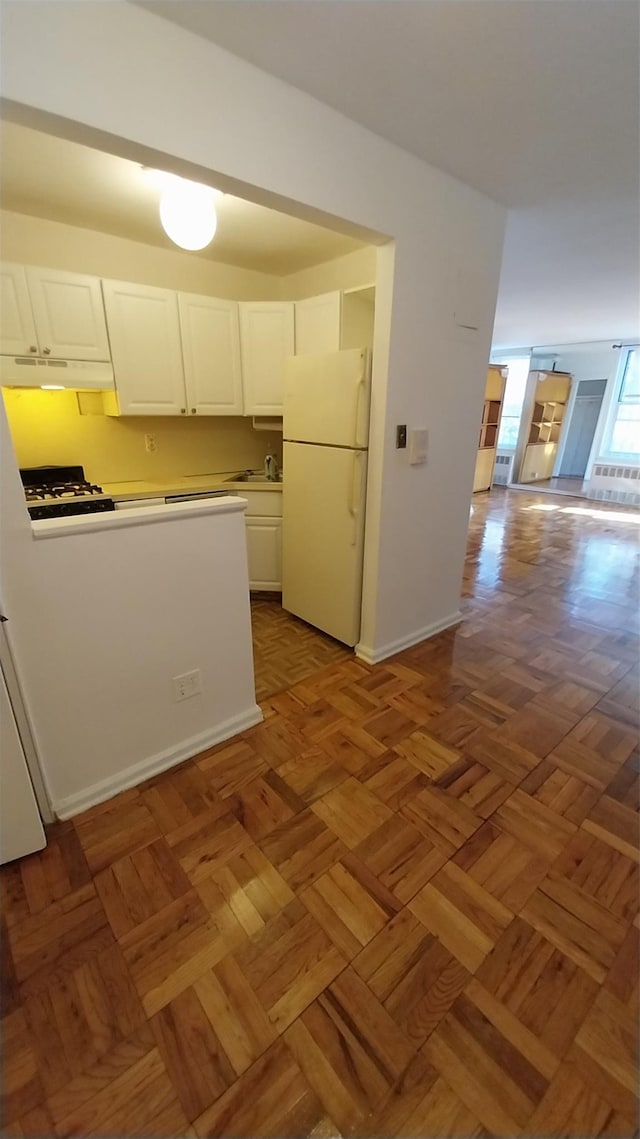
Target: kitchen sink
{"x":246,"y":476}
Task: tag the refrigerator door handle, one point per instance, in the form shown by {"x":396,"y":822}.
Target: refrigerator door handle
{"x":354,"y":497}
{"x":359,"y":393}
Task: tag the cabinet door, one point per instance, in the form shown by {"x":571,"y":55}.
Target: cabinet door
{"x":318,"y":324}
{"x":264,"y":553}
{"x":17,"y":326}
{"x":69,"y":315}
{"x":144,"y":329}
{"x":266,"y":340}
{"x":484,"y":469}
{"x":211,"y":352}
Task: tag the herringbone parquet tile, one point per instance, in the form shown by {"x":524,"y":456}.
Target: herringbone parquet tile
{"x":405,"y":904}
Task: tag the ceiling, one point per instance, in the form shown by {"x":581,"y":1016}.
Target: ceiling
{"x":62,"y":181}
{"x":534,"y":102}
{"x":528,"y":101}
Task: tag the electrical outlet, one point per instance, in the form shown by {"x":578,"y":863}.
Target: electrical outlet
{"x":150,"y":444}
{"x":187,"y":684}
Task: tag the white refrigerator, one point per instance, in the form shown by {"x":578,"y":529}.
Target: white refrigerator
{"x":326,"y":435}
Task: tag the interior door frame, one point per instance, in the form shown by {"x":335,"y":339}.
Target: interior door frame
{"x":566,"y":426}
{"x":24,"y":728}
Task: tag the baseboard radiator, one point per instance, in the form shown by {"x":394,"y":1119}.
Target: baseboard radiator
{"x":502,"y":469}
{"x":614,"y":484}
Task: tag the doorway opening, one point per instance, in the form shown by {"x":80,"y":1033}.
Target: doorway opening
{"x":290,"y":282}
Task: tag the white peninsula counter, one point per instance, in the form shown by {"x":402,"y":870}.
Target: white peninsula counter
{"x":136,"y":516}
{"x":105,"y":611}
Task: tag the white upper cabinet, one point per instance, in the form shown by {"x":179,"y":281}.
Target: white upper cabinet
{"x":17,"y":326}
{"x":318,"y":324}
{"x":211,"y":351}
{"x":69,"y":315}
{"x":46,"y":312}
{"x":266,"y":340}
{"x":144,"y":329}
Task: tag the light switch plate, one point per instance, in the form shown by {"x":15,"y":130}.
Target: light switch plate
{"x":417,"y":439}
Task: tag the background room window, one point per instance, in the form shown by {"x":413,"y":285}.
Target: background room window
{"x":624,"y":429}
{"x":513,"y":400}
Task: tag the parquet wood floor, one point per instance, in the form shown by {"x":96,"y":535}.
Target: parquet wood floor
{"x":286,"y":650}
{"x":404,"y":904}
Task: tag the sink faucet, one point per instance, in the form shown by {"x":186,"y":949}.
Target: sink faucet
{"x":270,"y":467}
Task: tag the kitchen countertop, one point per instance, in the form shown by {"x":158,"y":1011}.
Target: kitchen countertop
{"x":188,"y":484}
{"x":78,"y":524}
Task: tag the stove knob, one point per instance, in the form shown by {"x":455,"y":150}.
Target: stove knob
{"x":193,"y":410}
{"x":46,"y":351}
{"x":33,"y":348}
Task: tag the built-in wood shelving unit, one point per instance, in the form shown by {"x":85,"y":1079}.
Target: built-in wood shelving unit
{"x":488,"y":441}
{"x":543,"y":415}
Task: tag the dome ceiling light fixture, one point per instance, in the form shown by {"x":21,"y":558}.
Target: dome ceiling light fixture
{"x":187,"y":210}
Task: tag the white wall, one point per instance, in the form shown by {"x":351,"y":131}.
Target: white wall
{"x":347,"y":272}
{"x":181,"y":100}
{"x":54,"y":245}
{"x":99,"y":623}
{"x":571,"y":269}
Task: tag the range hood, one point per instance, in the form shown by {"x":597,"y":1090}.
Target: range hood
{"x":36,"y":372}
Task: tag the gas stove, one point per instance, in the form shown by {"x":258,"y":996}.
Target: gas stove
{"x":55,"y":492}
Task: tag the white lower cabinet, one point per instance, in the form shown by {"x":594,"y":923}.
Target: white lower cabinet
{"x":263,"y":520}
{"x":264,"y":553}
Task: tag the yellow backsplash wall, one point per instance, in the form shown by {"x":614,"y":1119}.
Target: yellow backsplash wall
{"x":47,"y":428}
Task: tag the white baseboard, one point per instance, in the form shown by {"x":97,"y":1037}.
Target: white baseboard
{"x":374,"y":656}
{"x":131,"y":776}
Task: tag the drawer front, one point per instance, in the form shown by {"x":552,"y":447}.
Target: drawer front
{"x":262,"y":503}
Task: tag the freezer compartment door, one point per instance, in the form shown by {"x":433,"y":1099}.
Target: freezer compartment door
{"x":323,"y":500}
{"x":326,"y":398}
{"x":21,"y":830}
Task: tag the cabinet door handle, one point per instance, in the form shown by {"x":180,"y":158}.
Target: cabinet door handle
{"x":193,"y":410}
{"x":183,"y":411}
{"x":46,"y":351}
